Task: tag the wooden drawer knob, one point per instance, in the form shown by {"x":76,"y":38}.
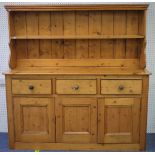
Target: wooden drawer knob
{"x":75,"y":87}
{"x":121,"y":87}
{"x":31,"y":87}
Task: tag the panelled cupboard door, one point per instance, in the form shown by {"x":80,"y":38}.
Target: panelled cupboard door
{"x":34,"y":119}
{"x":118,"y":120}
{"x":76,"y":120}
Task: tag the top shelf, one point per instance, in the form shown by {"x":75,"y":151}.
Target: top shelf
{"x":80,"y":37}
{"x":77,"y":7}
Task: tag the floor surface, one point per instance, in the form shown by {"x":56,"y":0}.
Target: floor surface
{"x":4,"y":144}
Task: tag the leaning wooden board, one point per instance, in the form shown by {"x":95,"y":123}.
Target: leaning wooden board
{"x":78,"y":79}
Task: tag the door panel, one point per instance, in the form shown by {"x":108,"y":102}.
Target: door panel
{"x":34,"y":119}
{"x":118,"y":120}
{"x":76,"y":120}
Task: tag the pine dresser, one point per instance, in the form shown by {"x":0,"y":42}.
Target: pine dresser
{"x":77,"y":78}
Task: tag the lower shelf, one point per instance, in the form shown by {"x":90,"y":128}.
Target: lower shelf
{"x":62,"y":146}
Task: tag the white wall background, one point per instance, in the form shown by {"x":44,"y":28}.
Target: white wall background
{"x":4,"y":54}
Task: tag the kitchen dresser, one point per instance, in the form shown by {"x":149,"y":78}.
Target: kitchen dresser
{"x":77,"y":78}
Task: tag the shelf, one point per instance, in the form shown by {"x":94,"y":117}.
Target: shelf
{"x":70,"y":7}
{"x":81,"y":37}
{"x":76,"y":71}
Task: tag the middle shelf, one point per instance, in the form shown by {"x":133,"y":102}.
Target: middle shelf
{"x":79,"y":37}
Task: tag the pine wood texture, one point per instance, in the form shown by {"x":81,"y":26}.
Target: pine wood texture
{"x":10,"y":112}
{"x":34,"y":119}
{"x":76,"y":7}
{"x":121,"y":86}
{"x":76,"y":120}
{"x":76,"y":86}
{"x":31,"y":87}
{"x":73,"y":147}
{"x":73,"y":34}
{"x":118,"y":120}
{"x":78,"y":78}
{"x":76,"y":71}
{"x":119,"y":63}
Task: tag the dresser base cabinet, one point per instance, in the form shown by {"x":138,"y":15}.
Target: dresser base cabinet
{"x":72,"y":122}
{"x":78,"y":77}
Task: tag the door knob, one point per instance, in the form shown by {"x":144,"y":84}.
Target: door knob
{"x":121,"y":87}
{"x":31,"y":87}
{"x":75,"y":87}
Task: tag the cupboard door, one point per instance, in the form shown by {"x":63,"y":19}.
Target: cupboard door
{"x":34,"y":119}
{"x":76,"y":120}
{"x":118,"y":120}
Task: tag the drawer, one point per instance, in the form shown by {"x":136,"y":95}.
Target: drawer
{"x":76,"y":86}
{"x":121,"y":86}
{"x":31,"y":87}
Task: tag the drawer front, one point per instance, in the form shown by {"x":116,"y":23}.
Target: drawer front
{"x":121,"y":86}
{"x":76,"y":86}
{"x":31,"y":87}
